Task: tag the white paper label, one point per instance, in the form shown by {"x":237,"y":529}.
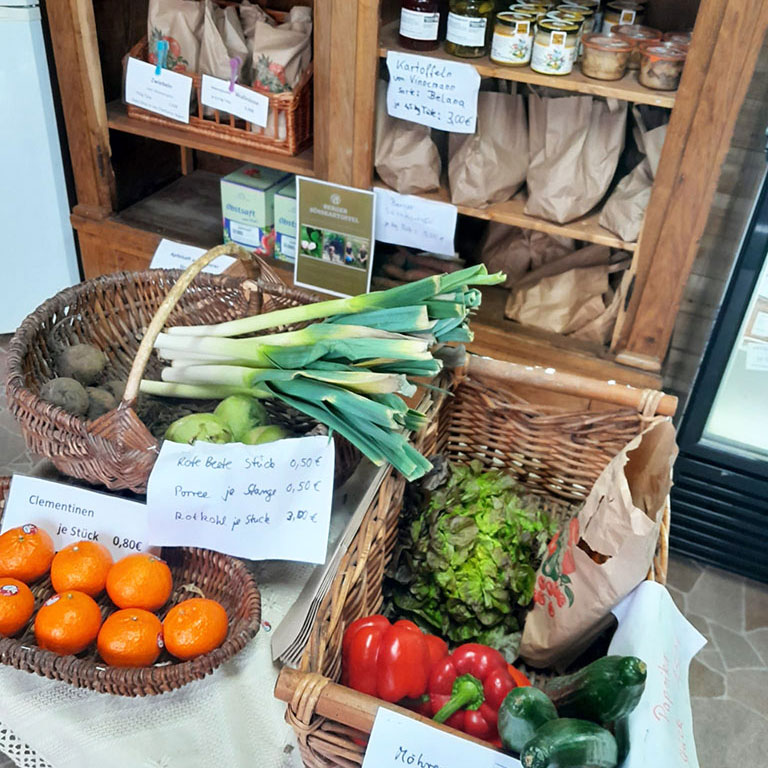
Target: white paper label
{"x":661,"y":726}
{"x":514,"y":48}
{"x":433,"y":92}
{"x":760,"y":325}
{"x":466,"y":30}
{"x":626,"y":17}
{"x":398,"y":741}
{"x":166,"y":94}
{"x":72,"y":514}
{"x":555,"y":58}
{"x":757,"y":357}
{"x":417,"y":25}
{"x":414,"y":222}
{"x":242,"y":102}
{"x":261,"y":502}
{"x":172,"y":255}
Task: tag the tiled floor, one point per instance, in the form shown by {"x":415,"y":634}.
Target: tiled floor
{"x":729,"y":677}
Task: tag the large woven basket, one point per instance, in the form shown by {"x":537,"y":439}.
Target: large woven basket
{"x":554,"y":431}
{"x":122,"y":314}
{"x":195,"y":572}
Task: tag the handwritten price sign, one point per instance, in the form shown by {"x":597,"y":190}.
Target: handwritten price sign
{"x":261,"y":502}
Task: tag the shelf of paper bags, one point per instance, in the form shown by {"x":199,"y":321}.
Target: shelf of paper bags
{"x":512,"y":212}
{"x":118,"y":120}
{"x":627,"y":89}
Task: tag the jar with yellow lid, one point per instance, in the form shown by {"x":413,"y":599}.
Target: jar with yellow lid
{"x":636,"y":35}
{"x":469,"y":27}
{"x":512,"y":38}
{"x":538,"y":8}
{"x":622,"y":12}
{"x":582,"y":17}
{"x":605,"y":56}
{"x":554,"y":47}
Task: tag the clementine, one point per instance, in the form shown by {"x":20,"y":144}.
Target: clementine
{"x":67,"y":623}
{"x":17,"y":604}
{"x":132,"y":637}
{"x":140,"y":581}
{"x":25,"y":553}
{"x":82,"y":566}
{"x":194,"y":627}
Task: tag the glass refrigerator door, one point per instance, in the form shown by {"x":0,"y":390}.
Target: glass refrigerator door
{"x":738,"y":420}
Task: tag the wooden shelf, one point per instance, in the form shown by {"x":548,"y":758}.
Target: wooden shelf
{"x":118,"y":120}
{"x":513,"y":212}
{"x":627,"y":89}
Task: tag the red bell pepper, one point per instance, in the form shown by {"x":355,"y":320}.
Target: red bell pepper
{"x":467,"y":688}
{"x":389,"y":661}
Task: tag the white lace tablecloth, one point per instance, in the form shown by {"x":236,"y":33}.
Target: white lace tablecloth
{"x":229,"y":719}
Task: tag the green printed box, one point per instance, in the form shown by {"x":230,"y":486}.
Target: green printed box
{"x":285,"y":222}
{"x":248,"y":207}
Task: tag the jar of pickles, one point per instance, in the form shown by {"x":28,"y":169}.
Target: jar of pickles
{"x":636,"y":35}
{"x":605,"y":56}
{"x":469,"y":26}
{"x":554,"y":47}
{"x":661,"y":65}
{"x":622,"y":12}
{"x":512,"y":38}
{"x":419,"y":24}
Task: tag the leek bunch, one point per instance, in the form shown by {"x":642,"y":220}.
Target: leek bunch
{"x":350,"y":371}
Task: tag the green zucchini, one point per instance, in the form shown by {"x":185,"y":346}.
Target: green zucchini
{"x":523,"y":711}
{"x":605,"y":690}
{"x":569,"y":743}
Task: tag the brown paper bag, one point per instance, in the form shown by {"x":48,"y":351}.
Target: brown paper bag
{"x":490,"y":165}
{"x":250,"y":13}
{"x":575,"y":144}
{"x":180,"y":23}
{"x":281,"y":54}
{"x":624,"y":210}
{"x":603,"y":553}
{"x":405,"y":157}
{"x":514,"y":251}
{"x":222,"y":40}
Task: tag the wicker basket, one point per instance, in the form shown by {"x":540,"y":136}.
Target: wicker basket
{"x":289,"y":116}
{"x":554,"y":431}
{"x":217,"y":576}
{"x":112,"y":313}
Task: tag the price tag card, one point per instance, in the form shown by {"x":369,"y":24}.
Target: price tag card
{"x":260,"y":502}
{"x":412,"y":221}
{"x":240,"y":102}
{"x":398,"y":741}
{"x":440,"y":94}
{"x":172,"y":255}
{"x":72,"y":514}
{"x":167,"y":93}
{"x":757,"y":357}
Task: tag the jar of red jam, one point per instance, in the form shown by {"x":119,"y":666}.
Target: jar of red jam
{"x":420,"y":24}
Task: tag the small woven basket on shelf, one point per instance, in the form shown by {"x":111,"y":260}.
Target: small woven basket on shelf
{"x":554,"y":431}
{"x":195,"y":572}
{"x":289,"y":120}
{"x":122,"y":314}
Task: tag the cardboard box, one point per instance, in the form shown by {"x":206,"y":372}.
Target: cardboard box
{"x":285,"y":222}
{"x":248,"y":207}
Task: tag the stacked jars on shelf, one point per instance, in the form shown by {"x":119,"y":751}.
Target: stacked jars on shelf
{"x":550,"y":37}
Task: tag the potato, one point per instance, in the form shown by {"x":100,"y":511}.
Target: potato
{"x":67,"y":394}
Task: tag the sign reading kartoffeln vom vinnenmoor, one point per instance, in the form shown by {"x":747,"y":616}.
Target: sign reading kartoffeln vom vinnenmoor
{"x":335,"y":237}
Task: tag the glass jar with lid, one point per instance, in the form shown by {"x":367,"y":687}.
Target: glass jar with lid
{"x":605,"y":56}
{"x":420,"y":24}
{"x":580,"y":16}
{"x":512,"y":40}
{"x":636,"y":35}
{"x":554,"y":47}
{"x":622,"y":12}
{"x":680,"y":39}
{"x":469,"y":27}
{"x":538,"y":8}
{"x":661,"y":65}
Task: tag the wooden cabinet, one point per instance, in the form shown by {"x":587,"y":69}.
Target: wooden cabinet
{"x":137,"y":181}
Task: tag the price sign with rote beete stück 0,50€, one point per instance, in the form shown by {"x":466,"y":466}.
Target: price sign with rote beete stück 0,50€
{"x":261,"y":502}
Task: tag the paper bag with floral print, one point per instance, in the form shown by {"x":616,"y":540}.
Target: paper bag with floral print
{"x":603,"y":553}
{"x":180,"y":23}
{"x":222,"y":40}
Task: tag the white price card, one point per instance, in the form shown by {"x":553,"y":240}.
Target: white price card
{"x":260,"y":502}
{"x":440,"y":94}
{"x":757,"y":357}
{"x":398,"y":741}
{"x":412,"y":221}
{"x":172,"y":255}
{"x":167,"y":93}
{"x":240,"y":102}
{"x":72,"y":514}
